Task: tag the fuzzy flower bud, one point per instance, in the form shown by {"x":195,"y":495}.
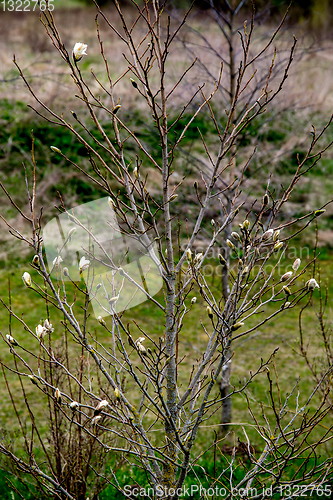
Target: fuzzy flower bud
{"x":117,"y":393}
{"x":189,"y":255}
{"x":222,"y":260}
{"x":110,"y":203}
{"x":209,"y":312}
{"x":286,"y":290}
{"x":57,"y":261}
{"x":95,"y":420}
{"x":57,"y":395}
{"x":79,"y":50}
{"x":74,"y":405}
{"x":198,"y":257}
{"x":277,"y":246}
{"x":101,"y":320}
{"x":276,"y":235}
{"x":287,"y":304}
{"x":11,"y":340}
{"x":56,"y":150}
{"x":133,"y":82}
{"x":235,"y":236}
{"x":230,"y":244}
{"x":268,"y":234}
{"x":101,"y":405}
{"x":245,"y":270}
{"x":83,"y":264}
{"x":65,"y":271}
{"x":265,"y":199}
{"x":296,"y":264}
{"x":116,"y":109}
{"x":236,"y":326}
{"x":246,"y":224}
{"x":173,"y":197}
{"x":71,"y":232}
{"x":287,"y":276}
{"x":318,"y":213}
{"x":40,"y":331}
{"x":135,"y":172}
{"x":26,"y":279}
{"x":312,"y":284}
{"x":212,"y":222}
{"x":193,"y":301}
{"x":35,"y":260}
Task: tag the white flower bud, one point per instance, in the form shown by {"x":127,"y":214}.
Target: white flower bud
{"x":71,"y":232}
{"x":237,"y":325}
{"x":287,"y":276}
{"x":268,"y":234}
{"x":79,"y":50}
{"x":35,"y":260}
{"x":101,"y":320}
{"x":198,"y":257}
{"x":113,"y":300}
{"x":296,"y":264}
{"x":57,"y":261}
{"x":56,"y":150}
{"x":287,"y":304}
{"x":189,"y":255}
{"x":95,"y":420}
{"x":246,"y":224}
{"x":117,"y":393}
{"x":74,"y":405}
{"x":33,"y":379}
{"x":65,"y":271}
{"x":173,"y":197}
{"x":245,"y":270}
{"x":312,"y":284}
{"x":276,"y":234}
{"x":230,"y":244}
{"x":210,"y":312}
{"x":83,"y":264}
{"x":101,"y":405}
{"x":11,"y":340}
{"x":40,"y":331}
{"x":235,"y":236}
{"x":193,"y":301}
{"x":110,"y":203}
{"x":277,"y":246}
{"x":212,"y":222}
{"x":57,"y":395}
{"x":135,"y":172}
{"x":26,"y":279}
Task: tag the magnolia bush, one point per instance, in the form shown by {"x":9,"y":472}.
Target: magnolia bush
{"x":133,"y":400}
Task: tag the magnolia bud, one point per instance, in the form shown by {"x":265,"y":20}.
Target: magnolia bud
{"x":235,"y":236}
{"x":79,"y":50}
{"x":287,"y":304}
{"x":117,"y":393}
{"x":318,"y":213}
{"x":209,"y":312}
{"x":57,"y":395}
{"x":287,"y":276}
{"x":265,"y":199}
{"x":110,"y":203}
{"x":222,"y":260}
{"x":277,"y":246}
{"x":135,"y":172}
{"x":276,"y":234}
{"x":35,"y":260}
{"x":189,"y":255}
{"x":246,"y":224}
{"x":56,"y":150}
{"x":101,"y":405}
{"x":116,"y":109}
{"x":71,"y":232}
{"x":74,"y":405}
{"x":65,"y":271}
{"x":133,"y":82}
{"x":268,"y":234}
{"x":296,"y":264}
{"x":193,"y":301}
{"x":230,"y":244}
{"x":198,"y":257}
{"x":11,"y":340}
{"x":286,"y":290}
{"x":112,"y":300}
{"x":236,"y":326}
{"x":212,"y":222}
{"x":173,"y":197}
{"x":26,"y":279}
{"x":98,"y":286}
{"x":245,"y":270}
{"x":312,"y":284}
{"x":101,"y":320}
